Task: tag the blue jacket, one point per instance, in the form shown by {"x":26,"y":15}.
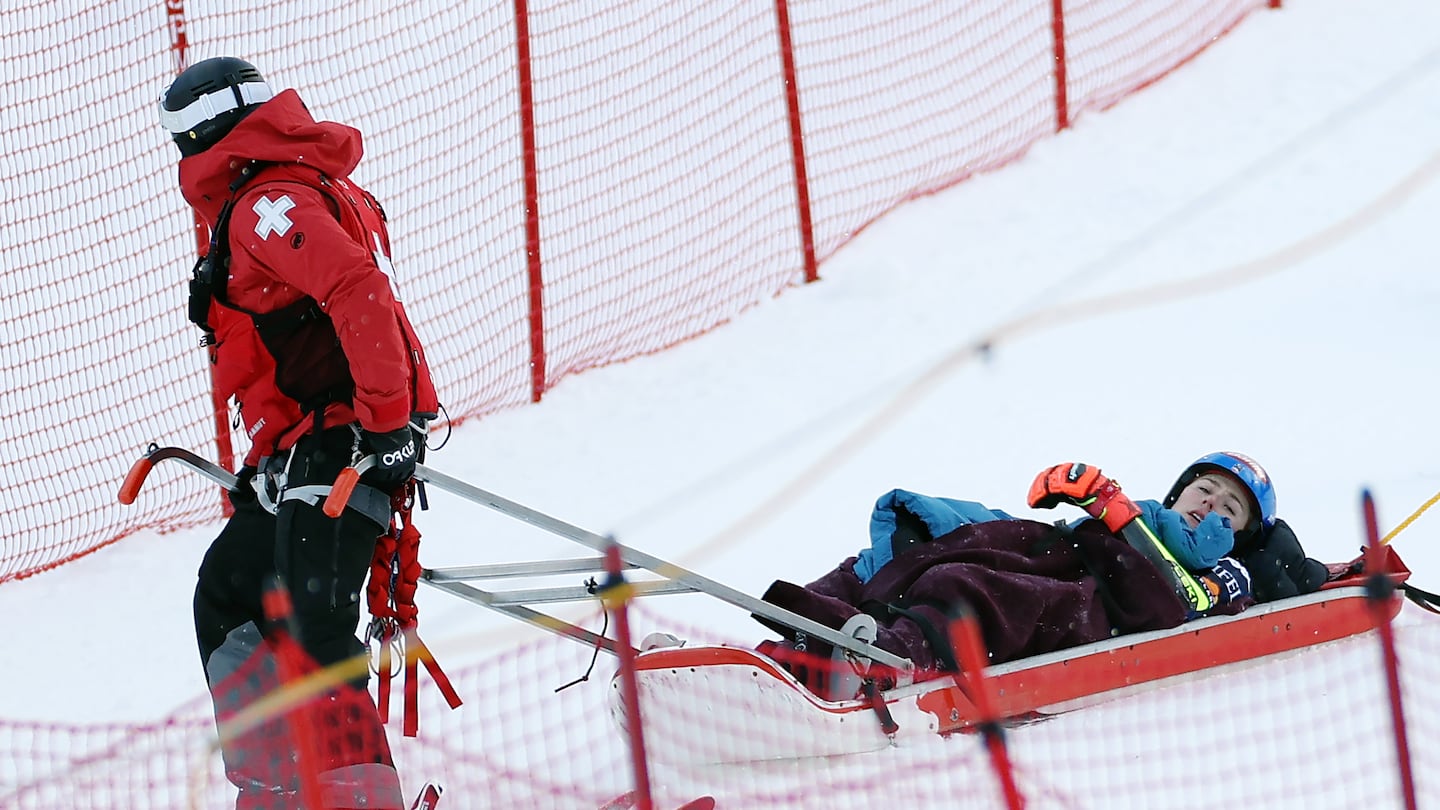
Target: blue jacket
{"x":1197,"y":549}
{"x":940,"y":515}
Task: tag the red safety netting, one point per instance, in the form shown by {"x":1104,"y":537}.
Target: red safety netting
{"x":1306,"y":729}
{"x":564,"y":193}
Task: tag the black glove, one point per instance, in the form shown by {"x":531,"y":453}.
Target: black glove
{"x":243,"y":493}
{"x":910,"y":530}
{"x":396,"y":453}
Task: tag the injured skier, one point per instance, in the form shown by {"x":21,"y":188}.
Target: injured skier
{"x":1213,"y":546}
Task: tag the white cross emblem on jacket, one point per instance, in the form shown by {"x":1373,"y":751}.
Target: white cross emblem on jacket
{"x":272,"y":216}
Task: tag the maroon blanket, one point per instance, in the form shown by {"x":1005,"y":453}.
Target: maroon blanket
{"x":1032,"y":588}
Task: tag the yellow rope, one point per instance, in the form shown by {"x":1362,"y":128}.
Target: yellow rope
{"x":1407,"y":521}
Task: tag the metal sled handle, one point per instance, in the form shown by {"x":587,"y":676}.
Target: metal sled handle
{"x":335,"y":501}
{"x":140,"y":470}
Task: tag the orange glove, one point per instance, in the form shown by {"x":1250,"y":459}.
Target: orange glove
{"x":1087,"y":488}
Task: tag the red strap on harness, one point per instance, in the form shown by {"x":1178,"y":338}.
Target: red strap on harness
{"x":394,"y":576}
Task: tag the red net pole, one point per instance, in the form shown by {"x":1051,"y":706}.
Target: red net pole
{"x":797,"y":139}
{"x":532,"y":200}
{"x":1062,"y":79}
{"x":1380,"y":591}
{"x":616,"y":596}
{"x":179,"y":45}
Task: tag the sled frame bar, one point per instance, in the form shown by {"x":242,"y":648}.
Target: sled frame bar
{"x":671,"y":578}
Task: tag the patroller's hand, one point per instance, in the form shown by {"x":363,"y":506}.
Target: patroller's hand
{"x":1086,"y":487}
{"x":244,"y":491}
{"x":396,"y":454}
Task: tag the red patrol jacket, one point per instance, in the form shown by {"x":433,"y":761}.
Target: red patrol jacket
{"x":305,"y":240}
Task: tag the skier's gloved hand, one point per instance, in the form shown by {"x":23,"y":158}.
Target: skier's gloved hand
{"x":1228,"y":581}
{"x":396,"y":453}
{"x":1087,"y":488}
{"x":244,"y":491}
{"x":1066,"y":483}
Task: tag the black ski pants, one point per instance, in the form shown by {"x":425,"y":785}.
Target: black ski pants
{"x":323,"y":562}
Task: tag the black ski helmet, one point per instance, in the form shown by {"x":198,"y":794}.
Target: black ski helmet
{"x":208,"y":99}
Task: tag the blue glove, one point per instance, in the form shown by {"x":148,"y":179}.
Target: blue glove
{"x":1196,"y":549}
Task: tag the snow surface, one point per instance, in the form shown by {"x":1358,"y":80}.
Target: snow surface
{"x":1240,"y":257}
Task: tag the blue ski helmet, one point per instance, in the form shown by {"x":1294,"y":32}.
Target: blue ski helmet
{"x":1240,"y":467}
